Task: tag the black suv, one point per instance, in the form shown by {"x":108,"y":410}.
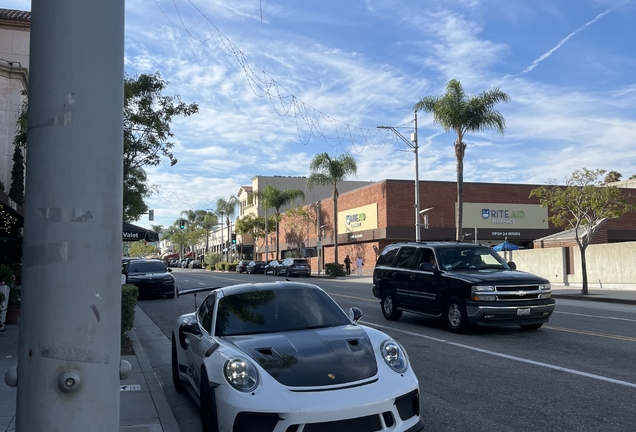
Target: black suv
{"x":463,"y":283}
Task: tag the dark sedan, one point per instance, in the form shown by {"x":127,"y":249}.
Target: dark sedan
{"x":255,"y":267}
{"x":151,"y":277}
{"x":242,"y":264}
{"x":270,"y":268}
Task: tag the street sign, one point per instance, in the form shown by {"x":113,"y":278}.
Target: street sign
{"x":318,"y":243}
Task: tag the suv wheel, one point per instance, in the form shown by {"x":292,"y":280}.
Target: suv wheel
{"x":456,"y":318}
{"x":389,"y":307}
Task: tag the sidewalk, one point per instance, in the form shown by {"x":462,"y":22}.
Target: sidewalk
{"x":143,"y":404}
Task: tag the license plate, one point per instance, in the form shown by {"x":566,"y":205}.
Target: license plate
{"x":523,"y":312}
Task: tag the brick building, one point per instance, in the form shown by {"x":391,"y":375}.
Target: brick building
{"x":372,"y":216}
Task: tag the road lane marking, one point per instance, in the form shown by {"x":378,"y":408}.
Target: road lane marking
{"x":596,"y":316}
{"x":507,"y":356}
{"x":355,"y":298}
{"x":590,"y":333}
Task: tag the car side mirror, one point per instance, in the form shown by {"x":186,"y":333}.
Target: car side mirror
{"x":426,"y":266}
{"x":355,"y":314}
{"x":512,"y":265}
{"x":170,"y":270}
{"x":191,"y":327}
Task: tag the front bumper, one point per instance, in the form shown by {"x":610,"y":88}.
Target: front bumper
{"x":497,"y":314}
{"x":371,"y":407}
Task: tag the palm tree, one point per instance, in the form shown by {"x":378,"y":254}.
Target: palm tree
{"x":226,"y":209}
{"x":457,"y":111}
{"x":612,"y":177}
{"x":325,"y":170}
{"x":272,"y":197}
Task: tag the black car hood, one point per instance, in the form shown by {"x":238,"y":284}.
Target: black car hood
{"x":152,"y":275}
{"x":317,"y":357}
{"x":497,"y":277}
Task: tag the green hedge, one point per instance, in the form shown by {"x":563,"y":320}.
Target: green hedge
{"x":335,"y":269}
{"x":129,"y":295}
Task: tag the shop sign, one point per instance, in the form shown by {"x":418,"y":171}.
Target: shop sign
{"x":358,"y":219}
{"x":505,"y":216}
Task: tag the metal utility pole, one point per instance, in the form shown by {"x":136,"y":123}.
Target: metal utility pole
{"x":414,"y":146}
{"x":69,"y":345}
{"x":266,"y":232}
{"x":318,"y":236}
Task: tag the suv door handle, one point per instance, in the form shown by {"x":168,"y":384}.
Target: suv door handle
{"x":412,"y":277}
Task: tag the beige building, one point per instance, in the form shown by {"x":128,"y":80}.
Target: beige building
{"x":14,"y":77}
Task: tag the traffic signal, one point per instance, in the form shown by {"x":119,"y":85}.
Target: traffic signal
{"x":151,"y":215}
{"x":233,"y":238}
{"x":182,"y":224}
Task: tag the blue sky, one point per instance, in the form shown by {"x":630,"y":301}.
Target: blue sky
{"x":335,"y":70}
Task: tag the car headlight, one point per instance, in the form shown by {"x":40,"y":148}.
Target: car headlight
{"x":394,"y":356}
{"x":168,"y":280}
{"x":241,"y":374}
{"x":545,"y":287}
{"x":482,"y":288}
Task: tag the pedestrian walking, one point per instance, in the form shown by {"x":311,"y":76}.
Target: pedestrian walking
{"x":359,"y":265}
{"x":347,"y":262}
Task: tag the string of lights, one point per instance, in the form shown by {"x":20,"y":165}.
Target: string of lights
{"x":310,"y":122}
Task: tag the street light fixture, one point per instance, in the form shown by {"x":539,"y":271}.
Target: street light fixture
{"x":413,"y":144}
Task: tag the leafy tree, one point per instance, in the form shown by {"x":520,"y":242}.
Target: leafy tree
{"x":325,"y":170}
{"x":142,"y":249}
{"x":299,"y":224}
{"x":16,"y":191}
{"x":272,"y":197}
{"x":147,"y":117}
{"x":457,"y":111}
{"x":178,"y":236}
{"x":159,"y":230}
{"x":612,"y":176}
{"x":584,"y":204}
{"x":226,"y":208}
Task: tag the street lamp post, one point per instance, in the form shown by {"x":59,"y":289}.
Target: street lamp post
{"x":413,"y":144}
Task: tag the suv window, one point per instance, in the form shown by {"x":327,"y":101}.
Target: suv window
{"x":387,"y":256}
{"x":405,"y":258}
{"x":146,"y":267}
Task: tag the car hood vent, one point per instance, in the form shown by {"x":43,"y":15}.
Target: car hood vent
{"x":317,"y":357}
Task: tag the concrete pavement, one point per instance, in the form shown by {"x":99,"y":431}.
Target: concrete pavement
{"x":143,"y":404}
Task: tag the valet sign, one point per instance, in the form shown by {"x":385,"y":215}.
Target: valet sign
{"x":358,"y":219}
{"x":506,"y":216}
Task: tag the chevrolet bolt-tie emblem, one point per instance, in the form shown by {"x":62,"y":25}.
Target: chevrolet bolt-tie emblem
{"x":521,"y":293}
{"x":332,"y":376}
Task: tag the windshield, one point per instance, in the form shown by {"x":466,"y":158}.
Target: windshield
{"x":462,"y":258}
{"x":146,"y":267}
{"x":280,"y":310}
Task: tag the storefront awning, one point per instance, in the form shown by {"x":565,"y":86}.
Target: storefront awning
{"x":135,"y":233}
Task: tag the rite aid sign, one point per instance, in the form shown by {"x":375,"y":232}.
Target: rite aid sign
{"x":505,"y":216}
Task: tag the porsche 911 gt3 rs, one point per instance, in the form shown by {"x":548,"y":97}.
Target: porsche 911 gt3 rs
{"x":284,"y":357}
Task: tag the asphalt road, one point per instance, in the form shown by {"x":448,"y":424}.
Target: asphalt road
{"x":577,"y":373}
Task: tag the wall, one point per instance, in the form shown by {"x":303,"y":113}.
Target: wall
{"x":611,"y":263}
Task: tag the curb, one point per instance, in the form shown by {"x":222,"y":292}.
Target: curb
{"x":593,"y":297}
{"x":164,"y":411}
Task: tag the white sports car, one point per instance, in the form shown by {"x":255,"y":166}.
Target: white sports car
{"x":284,"y":357}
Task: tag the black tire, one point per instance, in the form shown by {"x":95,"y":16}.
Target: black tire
{"x":176,"y":381}
{"x":287,"y":273}
{"x":209,"y":421}
{"x":531,"y":326}
{"x":455,"y":315}
{"x":389,"y":306}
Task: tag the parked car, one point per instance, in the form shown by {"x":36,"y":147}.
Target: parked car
{"x":152,"y":277}
{"x":242,"y":264}
{"x":283,"y":356}
{"x":255,"y":267}
{"x":464,"y":284}
{"x":270,"y":268}
{"x":195,"y":264}
{"x":294,"y":267}
{"x":185,"y":262}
